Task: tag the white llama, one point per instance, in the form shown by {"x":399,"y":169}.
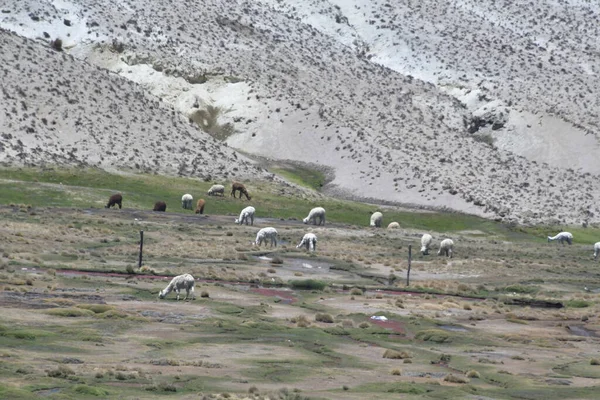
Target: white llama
{"x":446,"y":248}
{"x":376,"y":219}
{"x":317,"y":212}
{"x":562,"y":237}
{"x":266,"y":234}
{"x":425,"y":243}
{"x":186,"y":201}
{"x":185,"y":281}
{"x":216,"y":189}
{"x":246,"y":215}
{"x":309,"y":241}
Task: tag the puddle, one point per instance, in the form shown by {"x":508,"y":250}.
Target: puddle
{"x":300,"y":264}
{"x":453,"y":328}
{"x":47,"y":392}
{"x":581,"y":331}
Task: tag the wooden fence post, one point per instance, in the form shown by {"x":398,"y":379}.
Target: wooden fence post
{"x":141,"y":248}
{"x":409,"y":260}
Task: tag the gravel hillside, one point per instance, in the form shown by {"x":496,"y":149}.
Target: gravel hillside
{"x":468,"y":106}
{"x":59,"y":110}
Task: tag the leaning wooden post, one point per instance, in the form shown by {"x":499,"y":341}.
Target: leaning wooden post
{"x":141,"y":248}
{"x":409,"y":260}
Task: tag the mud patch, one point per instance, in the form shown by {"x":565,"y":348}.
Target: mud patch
{"x":581,"y":331}
{"x":33,"y":300}
{"x":453,"y":328}
{"x":389,"y":324}
{"x":285,"y":296}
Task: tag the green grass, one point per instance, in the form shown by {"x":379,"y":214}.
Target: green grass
{"x":85,"y":188}
{"x":10,"y":392}
{"x":306,"y":177}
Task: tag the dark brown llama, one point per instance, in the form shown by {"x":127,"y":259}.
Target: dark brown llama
{"x":115,"y":200}
{"x":160,"y":206}
{"x":236,"y":186}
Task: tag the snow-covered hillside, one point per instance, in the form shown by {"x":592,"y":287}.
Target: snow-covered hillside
{"x":402,"y":101}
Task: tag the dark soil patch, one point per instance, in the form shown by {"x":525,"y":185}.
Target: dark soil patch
{"x":389,"y":324}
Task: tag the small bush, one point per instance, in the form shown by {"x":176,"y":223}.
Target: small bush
{"x":364,"y":325}
{"x":397,"y":372}
{"x":61,"y":372}
{"x":272,"y":271}
{"x":577,"y":303}
{"x":301,"y":320}
{"x":307,"y":284}
{"x":277,"y":260}
{"x":348,"y":323}
{"x":396,"y":355}
{"x":69,"y":312}
{"x":130,"y":270}
{"x":204,"y":294}
{"x":322,"y":317}
{"x":473,"y":374}
{"x":356,"y":292}
{"x":90,"y":390}
{"x":594,"y":361}
{"x":96,"y":308}
{"x":167,"y":387}
{"x":434,"y":335}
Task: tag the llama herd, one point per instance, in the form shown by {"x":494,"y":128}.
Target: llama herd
{"x":269,"y":235}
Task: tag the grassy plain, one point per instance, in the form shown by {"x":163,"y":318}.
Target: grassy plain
{"x":510,"y":316}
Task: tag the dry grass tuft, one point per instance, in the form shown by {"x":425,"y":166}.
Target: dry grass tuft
{"x":396,"y":355}
{"x":473,"y":374}
{"x":455,"y":379}
{"x":323,"y":317}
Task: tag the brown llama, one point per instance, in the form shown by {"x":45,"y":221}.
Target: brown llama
{"x":236,"y":186}
{"x":160,"y":206}
{"x":115,"y":200}
{"x":200,"y":206}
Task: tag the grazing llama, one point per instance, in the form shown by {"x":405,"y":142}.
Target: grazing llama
{"x":562,"y":237}
{"x":160,"y":206}
{"x":425,"y":243}
{"x":246,"y":215}
{"x":266,"y":234}
{"x":376,"y":219}
{"x":239,"y":187}
{"x":309,"y":241}
{"x":185,"y":281}
{"x":216,"y":189}
{"x":446,"y":248}
{"x":115,"y":200}
{"x":317,"y":212}
{"x":200,"y":206}
{"x":186,"y":201}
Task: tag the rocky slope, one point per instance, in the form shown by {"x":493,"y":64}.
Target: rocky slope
{"x":59,"y":110}
{"x":306,"y":82}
